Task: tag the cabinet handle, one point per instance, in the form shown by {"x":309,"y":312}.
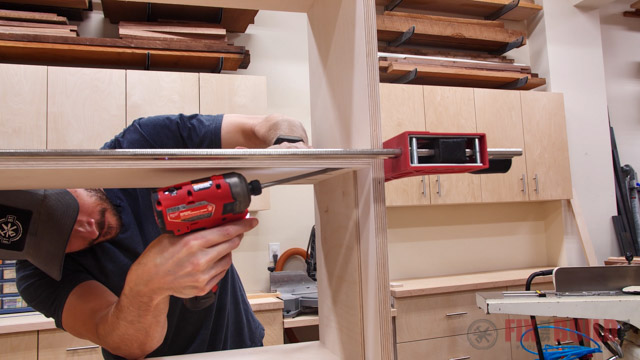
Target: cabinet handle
{"x":424,"y":187}
{"x":439,"y":192}
{"x":536,"y":179}
{"x":457,"y":313}
{"x":83,"y":347}
{"x":461,"y":358}
{"x":524,"y":184}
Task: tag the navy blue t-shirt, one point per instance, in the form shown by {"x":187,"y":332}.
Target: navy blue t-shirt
{"x":229,"y":323}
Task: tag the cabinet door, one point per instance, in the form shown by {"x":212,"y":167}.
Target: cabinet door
{"x":23,"y":106}
{"x":499,"y":115}
{"x":160,"y":93}
{"x":402,"y":109}
{"x":545,"y":138}
{"x":450,"y":109}
{"x":60,"y":345}
{"x":86,"y":107}
{"x":19,"y":346}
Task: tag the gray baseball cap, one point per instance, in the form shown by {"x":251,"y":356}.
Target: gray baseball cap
{"x":35,"y":225}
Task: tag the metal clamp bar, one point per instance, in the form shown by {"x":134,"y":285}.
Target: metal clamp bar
{"x":461,"y":358}
{"x":414,"y":150}
{"x":457,"y":313}
{"x":502,"y":11}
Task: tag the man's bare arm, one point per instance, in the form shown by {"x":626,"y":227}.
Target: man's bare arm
{"x":257,"y":131}
{"x":134,"y":324}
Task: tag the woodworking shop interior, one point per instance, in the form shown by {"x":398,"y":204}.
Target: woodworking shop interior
{"x":439,"y":264}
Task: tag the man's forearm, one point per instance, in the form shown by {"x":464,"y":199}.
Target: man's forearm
{"x":254,"y":131}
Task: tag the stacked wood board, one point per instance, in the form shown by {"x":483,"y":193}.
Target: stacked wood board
{"x":75,"y":4}
{"x":233,"y":20}
{"x":478,"y":8}
{"x":635,"y":10}
{"x":46,"y":38}
{"x":450,"y":51}
{"x":456,"y":72}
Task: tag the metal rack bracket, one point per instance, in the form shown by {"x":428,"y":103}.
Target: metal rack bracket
{"x":392,"y":5}
{"x":515,"y":84}
{"x":402,"y":38}
{"x":406,"y":77}
{"x":510,"y":46}
{"x":502,"y":11}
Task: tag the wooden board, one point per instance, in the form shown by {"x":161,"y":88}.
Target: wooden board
{"x":32,"y":16}
{"x":633,"y":14}
{"x":234,"y":20}
{"x":446,"y":34}
{"x":101,"y":56}
{"x":636,"y":5}
{"x":76,"y":4}
{"x":480,"y":8}
{"x":498,"y":24}
{"x":452,"y":76}
{"x":175,"y":30}
{"x":455,"y":54}
{"x":36,"y":31}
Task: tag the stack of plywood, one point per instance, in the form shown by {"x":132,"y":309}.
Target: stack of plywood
{"x":421,"y":48}
{"x":233,"y":20}
{"x":635,"y":10}
{"x":172,"y":30}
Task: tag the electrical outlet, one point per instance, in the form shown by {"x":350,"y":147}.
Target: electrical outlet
{"x":274,"y":249}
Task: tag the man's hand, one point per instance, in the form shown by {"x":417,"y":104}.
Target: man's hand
{"x":187,"y":265}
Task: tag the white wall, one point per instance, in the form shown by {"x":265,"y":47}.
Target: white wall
{"x":567,"y":50}
{"x":621,"y":48}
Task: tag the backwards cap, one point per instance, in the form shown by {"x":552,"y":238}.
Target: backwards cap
{"x":35,"y":225}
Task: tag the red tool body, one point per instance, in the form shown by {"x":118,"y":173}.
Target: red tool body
{"x":203,"y":204}
{"x":425,"y":153}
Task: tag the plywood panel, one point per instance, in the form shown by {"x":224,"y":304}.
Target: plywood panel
{"x":158,"y":93}
{"x":86,"y":107}
{"x":236,"y":94}
{"x":273,"y":326}
{"x":458,"y":347}
{"x":23,"y":106}
{"x":545,"y":136}
{"x":60,"y":345}
{"x":499,"y":115}
{"x":402,"y":109}
{"x":450,"y":109}
{"x":19,"y":346}
{"x":438,"y":315}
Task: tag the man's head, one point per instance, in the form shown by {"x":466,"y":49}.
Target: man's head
{"x":42,"y":225}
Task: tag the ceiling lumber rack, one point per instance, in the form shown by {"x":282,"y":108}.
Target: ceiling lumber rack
{"x":487,"y":9}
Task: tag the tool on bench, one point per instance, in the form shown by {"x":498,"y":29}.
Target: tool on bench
{"x":219,"y":199}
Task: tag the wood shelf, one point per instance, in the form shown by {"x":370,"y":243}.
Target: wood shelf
{"x":464,"y":282}
{"x":452,"y":73}
{"x":480,"y":8}
{"x":234,"y":20}
{"x":75,"y":4}
{"x":119,"y":53}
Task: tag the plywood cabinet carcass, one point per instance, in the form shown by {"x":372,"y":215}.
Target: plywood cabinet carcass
{"x":58,"y":344}
{"x":19,"y":346}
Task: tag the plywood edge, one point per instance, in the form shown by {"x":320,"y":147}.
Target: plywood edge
{"x":32,"y":321}
{"x":265,"y":304}
{"x":301,"y":320}
{"x":464,"y":282}
{"x":313,"y":350}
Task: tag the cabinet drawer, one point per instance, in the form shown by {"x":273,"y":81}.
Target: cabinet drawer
{"x":60,"y":345}
{"x":430,"y":316}
{"x":489,"y":345}
{"x":19,"y":346}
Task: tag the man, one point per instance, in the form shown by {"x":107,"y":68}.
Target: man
{"x":122,"y":280}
